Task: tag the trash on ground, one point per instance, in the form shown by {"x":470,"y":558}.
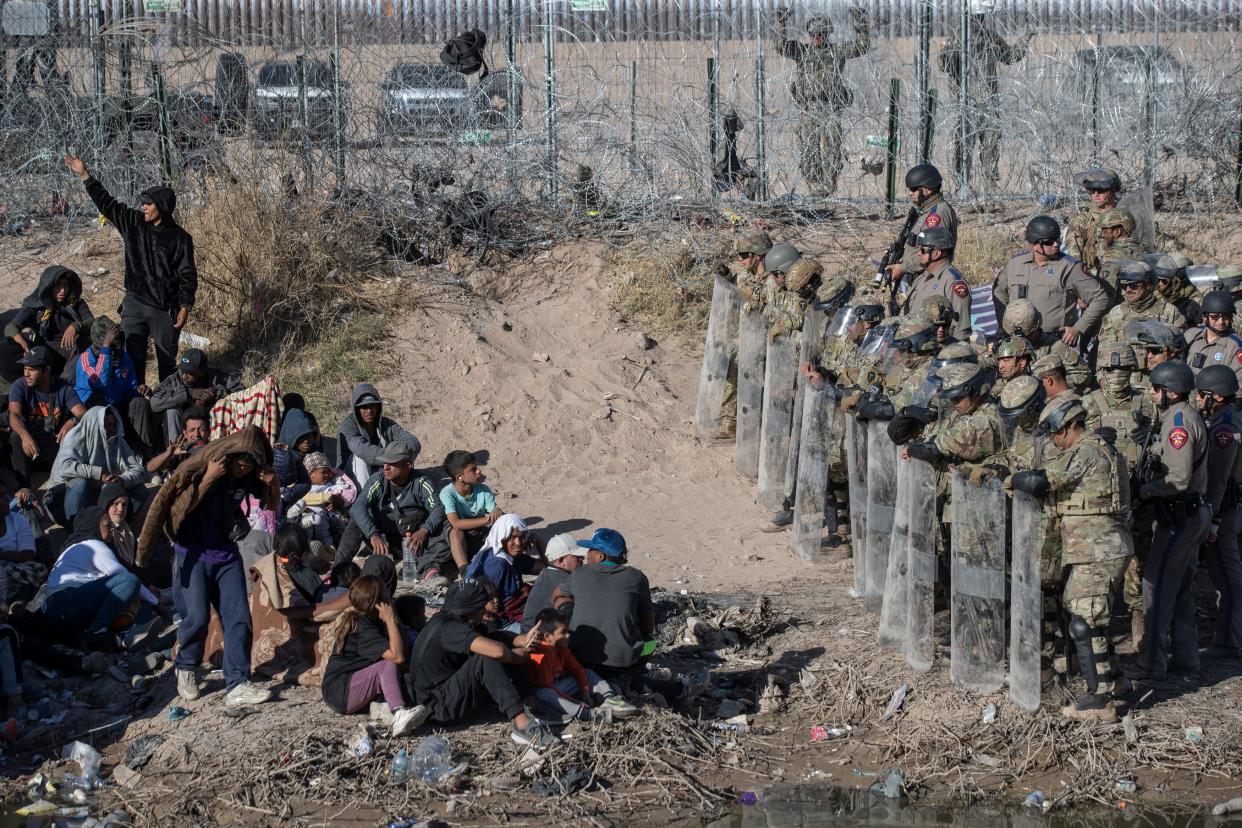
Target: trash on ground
{"x":819,"y":733}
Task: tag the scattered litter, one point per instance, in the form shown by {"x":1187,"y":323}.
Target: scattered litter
{"x":819,"y":733}
{"x":401,"y":770}
{"x":896,"y":701}
{"x":432,"y":761}
{"x":88,"y":760}
{"x":1035,"y":799}
{"x":1195,"y":733}
{"x":361,"y":744}
{"x":141,"y":749}
{"x":1233,"y":806}
{"x":1130,"y":729}
{"x":736,"y":724}
{"x":539,"y":356}
{"x":889,"y":786}
{"x":807,"y":679}
{"x":748,"y":798}
{"x":39,"y":808}
{"x":985,"y":759}
{"x":176,"y":714}
{"x":575,"y":778}
{"x":1125,"y":786}
{"x":126,"y":777}
{"x":989,"y":714}
{"x":772,"y":699}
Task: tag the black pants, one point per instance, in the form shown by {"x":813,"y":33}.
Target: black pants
{"x":352,"y":539}
{"x":141,"y":322}
{"x":636,"y":673}
{"x":463,"y":691}
{"x":22,"y":465}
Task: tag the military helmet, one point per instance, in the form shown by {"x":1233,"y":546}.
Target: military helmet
{"x":923,"y":175}
{"x":806,"y":272}
{"x":1021,"y":396}
{"x":1059,"y":412}
{"x":756,"y":242}
{"x":1046,"y":364}
{"x":962,"y":379}
{"x":833,"y":293}
{"x":819,"y":25}
{"x":1042,"y":228}
{"x":937,"y":238}
{"x":1113,"y":355}
{"x":1218,"y":301}
{"x":1099,"y":178}
{"x":1229,"y":277}
{"x":916,"y":335}
{"x":1131,"y":271}
{"x":1169,"y":266}
{"x":1150,"y":333}
{"x":780,"y":258}
{"x":869,"y":313}
{"x":1014,"y":346}
{"x":1118,"y":217}
{"x":1217,"y":379}
{"x":936,"y":310}
{"x":1173,"y":376}
{"x":1021,"y":318}
{"x":954,"y":354}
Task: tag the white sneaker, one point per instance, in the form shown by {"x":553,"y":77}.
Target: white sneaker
{"x":247,"y":693}
{"x":620,"y":708}
{"x":187,"y":684}
{"x":405,"y":719}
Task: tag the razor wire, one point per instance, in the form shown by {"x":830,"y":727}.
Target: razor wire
{"x":613,"y":108}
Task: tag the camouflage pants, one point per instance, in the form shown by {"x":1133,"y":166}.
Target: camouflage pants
{"x":838,"y":474}
{"x":1088,"y":593}
{"x":1132,"y":589}
{"x":728,"y":405}
{"x":819,"y":148}
{"x":984,"y":132}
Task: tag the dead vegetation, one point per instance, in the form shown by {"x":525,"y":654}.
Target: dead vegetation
{"x":665,"y":285}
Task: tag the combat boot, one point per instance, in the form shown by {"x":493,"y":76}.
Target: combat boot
{"x":1138,"y":622}
{"x":728,"y":429}
{"x":1091,"y":707}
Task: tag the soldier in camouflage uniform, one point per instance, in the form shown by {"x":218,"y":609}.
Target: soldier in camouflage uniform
{"x":1125,"y":415}
{"x":1022,"y":319}
{"x":746,"y":270}
{"x":1083,"y":239}
{"x":1019,"y":405}
{"x":1050,"y":371}
{"x":924,"y":182}
{"x":1117,"y":232}
{"x":821,"y":94}
{"x":1217,"y":388}
{"x":1013,"y":359}
{"x":988,"y":49}
{"x":793,"y":281}
{"x":1174,"y":286}
{"x":1214,"y":342}
{"x":1176,"y":492}
{"x":938,"y":311}
{"x":1229,"y":277}
{"x":1153,"y":343}
{"x":1138,"y":287}
{"x":914,"y":348}
{"x":1087,"y":485}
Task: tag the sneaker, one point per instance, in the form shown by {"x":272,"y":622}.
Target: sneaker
{"x":601,"y":714}
{"x":247,"y":693}
{"x":1091,"y":707}
{"x":432,"y":579}
{"x":533,"y":735}
{"x":620,"y":708}
{"x":380,"y":713}
{"x":405,"y":719}
{"x":187,"y":684}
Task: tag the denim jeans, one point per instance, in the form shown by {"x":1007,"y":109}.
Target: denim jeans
{"x":222,"y":586}
{"x":91,"y":607}
{"x":65,"y":500}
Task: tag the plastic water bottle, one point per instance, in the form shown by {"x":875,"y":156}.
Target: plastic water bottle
{"x":400,"y":768}
{"x":409,"y":569}
{"x":433,"y":758}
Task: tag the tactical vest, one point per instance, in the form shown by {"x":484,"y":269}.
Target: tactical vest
{"x":1121,"y":420}
{"x":1105,"y":491}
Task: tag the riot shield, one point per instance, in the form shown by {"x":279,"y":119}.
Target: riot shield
{"x":896,"y":593}
{"x":818,"y":410}
{"x":778,"y":399}
{"x":812,"y":336}
{"x":1026,"y":603}
{"x":978,"y":585}
{"x":881,"y":502}
{"x":752,"y":351}
{"x":716,"y":351}
{"x":921,"y":572}
{"x":856,"y":466}
{"x":1141,"y":205}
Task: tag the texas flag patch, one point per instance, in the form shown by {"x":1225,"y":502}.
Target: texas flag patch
{"x":1179,"y":437}
{"x":1224,"y":437}
{"x":931,"y":221}
{"x":960,"y":290}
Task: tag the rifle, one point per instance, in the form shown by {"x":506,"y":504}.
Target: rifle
{"x":893,"y":255}
{"x":1144,"y":470}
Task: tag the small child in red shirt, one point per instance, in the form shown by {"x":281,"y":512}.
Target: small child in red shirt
{"x":563,"y":687}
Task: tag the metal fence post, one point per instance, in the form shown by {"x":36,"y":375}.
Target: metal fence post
{"x":713,"y":114}
{"x":1096,"y":80}
{"x":100,"y":79}
{"x":890,"y":164}
{"x":761,"y":94}
{"x":338,"y":107}
{"x":1150,"y":105}
{"x":510,"y":113}
{"x":964,"y":151}
{"x":549,"y":69}
{"x":922,"y":79}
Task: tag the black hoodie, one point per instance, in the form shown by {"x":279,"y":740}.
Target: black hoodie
{"x":159,"y":258}
{"x":43,"y":314}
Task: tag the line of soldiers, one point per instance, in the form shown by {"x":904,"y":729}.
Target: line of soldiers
{"x":1111,"y":394}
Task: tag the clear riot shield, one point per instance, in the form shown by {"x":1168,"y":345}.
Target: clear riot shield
{"x":921,"y":571}
{"x":752,"y":352}
{"x":812,"y":337}
{"x":1026,"y":602}
{"x":881,"y":503}
{"x":856,"y":467}
{"x":896,"y":593}
{"x":1141,"y":205}
{"x":778,"y":399}
{"x":818,"y":410}
{"x":716,"y":351}
{"x":978,"y":585}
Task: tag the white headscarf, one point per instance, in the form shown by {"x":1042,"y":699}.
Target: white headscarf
{"x":500,"y":532}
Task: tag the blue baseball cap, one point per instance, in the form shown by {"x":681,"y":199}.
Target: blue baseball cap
{"x":609,"y":541}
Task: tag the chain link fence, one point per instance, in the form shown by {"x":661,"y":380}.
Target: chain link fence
{"x":602,"y":105}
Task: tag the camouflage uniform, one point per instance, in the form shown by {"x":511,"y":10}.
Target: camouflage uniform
{"x":1082,"y":236}
{"x":1150,"y":307}
{"x":1055,"y":290}
{"x":1186,"y":298}
{"x":750,"y":292}
{"x":1090,"y":493}
{"x":1121,"y":250}
{"x":1168,"y":578}
{"x":934,"y":212}
{"x":821,"y":94}
{"x":987,"y":50}
{"x":785,"y":305}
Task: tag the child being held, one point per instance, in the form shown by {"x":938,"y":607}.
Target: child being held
{"x":563,"y":687}
{"x":324,"y":511}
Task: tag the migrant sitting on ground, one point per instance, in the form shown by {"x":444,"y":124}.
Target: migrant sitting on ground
{"x":365,"y":433}
{"x":510,"y":551}
{"x":105,"y":375}
{"x":195,"y":384}
{"x":563,"y":687}
{"x":299,"y":437}
{"x":195,"y":433}
{"x":455,"y":665}
{"x":369,"y":648}
{"x":93,"y":454}
{"x":323,"y":507}
{"x":42,"y":409}
{"x":20,"y":573}
{"x":563,"y":556}
{"x":469,"y":506}
{"x":392,"y":491}
{"x":54,"y":316}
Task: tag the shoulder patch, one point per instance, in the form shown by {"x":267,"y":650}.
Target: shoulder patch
{"x":932,"y":219}
{"x":1224,"y":437}
{"x":1177,"y":418}
{"x":1179,"y":437}
{"x":961,"y":291}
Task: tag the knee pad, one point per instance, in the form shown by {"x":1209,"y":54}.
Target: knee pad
{"x":1079,"y":629}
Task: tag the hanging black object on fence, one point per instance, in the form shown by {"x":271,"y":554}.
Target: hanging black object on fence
{"x":732,"y":171}
{"x":465,"y":53}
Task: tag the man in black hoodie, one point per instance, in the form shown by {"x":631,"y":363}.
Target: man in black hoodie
{"x":54,"y":315}
{"x":160,"y":277}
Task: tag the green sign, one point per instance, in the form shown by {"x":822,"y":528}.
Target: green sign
{"x":475,"y":136}
{"x":588,"y":5}
{"x":879,"y":141}
{"x":162,"y":6}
